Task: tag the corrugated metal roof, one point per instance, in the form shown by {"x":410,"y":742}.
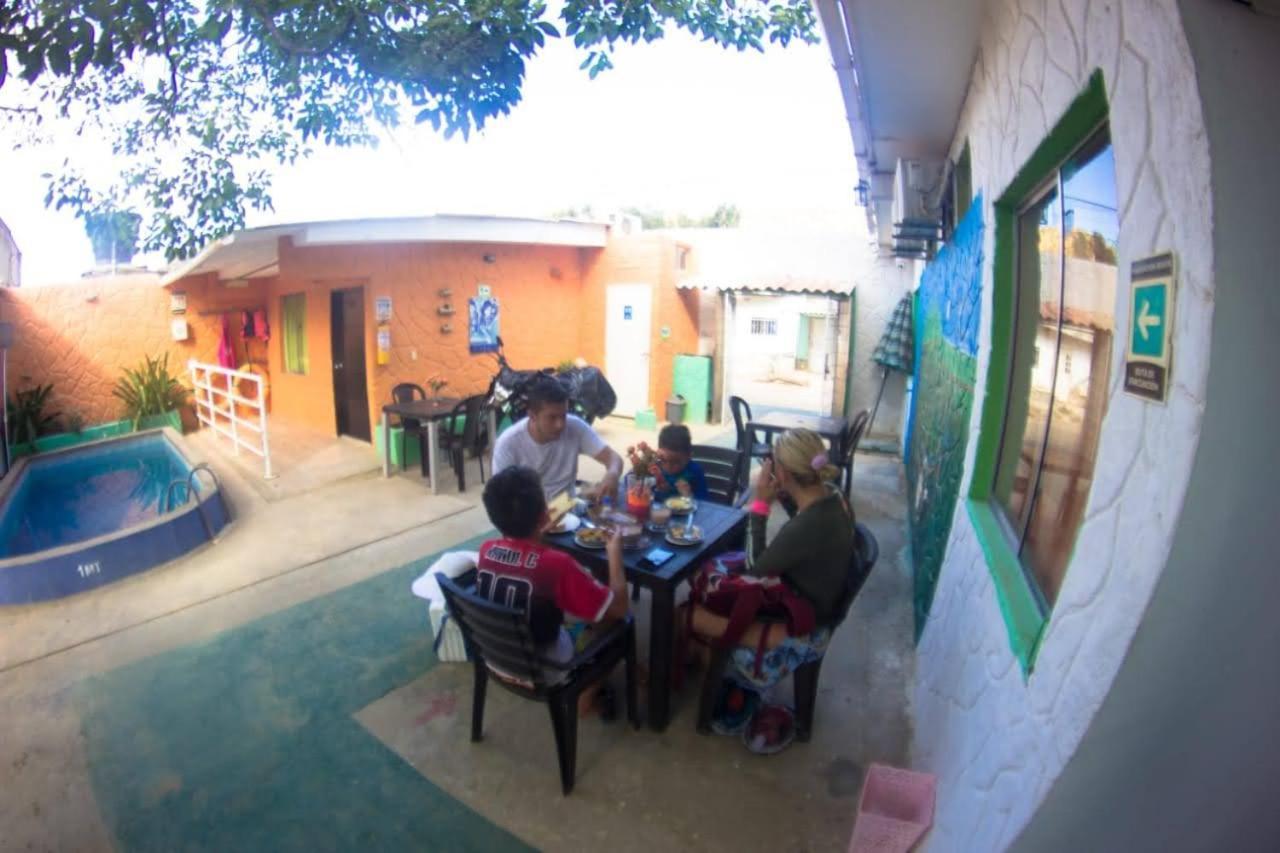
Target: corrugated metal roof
{"x":763,"y":261}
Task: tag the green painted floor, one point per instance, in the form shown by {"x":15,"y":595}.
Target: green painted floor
{"x":247,"y":742}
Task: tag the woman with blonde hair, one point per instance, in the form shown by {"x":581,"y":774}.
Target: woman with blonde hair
{"x":810,"y":554}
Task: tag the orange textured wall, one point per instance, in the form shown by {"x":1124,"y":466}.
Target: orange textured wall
{"x":639,"y":259}
{"x":537,"y":288}
{"x":80,"y":336}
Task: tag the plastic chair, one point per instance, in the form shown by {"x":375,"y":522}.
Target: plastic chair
{"x":500,"y":642}
{"x":472,"y":438}
{"x":407,"y":392}
{"x":805,"y":678}
{"x":849,"y":446}
{"x":725,"y":472}
{"x":748,"y":444}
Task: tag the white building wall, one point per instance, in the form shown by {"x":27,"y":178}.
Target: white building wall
{"x":10,"y":259}
{"x":891,"y":279}
{"x":996,"y":740}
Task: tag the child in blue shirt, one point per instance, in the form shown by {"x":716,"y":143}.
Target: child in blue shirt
{"x":678,"y":473}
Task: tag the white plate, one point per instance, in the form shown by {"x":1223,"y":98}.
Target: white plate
{"x":568,"y":524}
{"x":684,"y":542}
{"x":582,"y":544}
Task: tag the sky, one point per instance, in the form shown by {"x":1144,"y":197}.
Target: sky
{"x":678,"y":125}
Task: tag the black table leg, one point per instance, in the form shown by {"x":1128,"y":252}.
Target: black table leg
{"x":661,"y":629}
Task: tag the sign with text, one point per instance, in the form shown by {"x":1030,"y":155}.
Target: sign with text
{"x":1149,"y":352}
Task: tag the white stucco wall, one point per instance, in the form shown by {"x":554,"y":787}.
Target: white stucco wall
{"x":995,"y":740}
{"x":890,"y":280}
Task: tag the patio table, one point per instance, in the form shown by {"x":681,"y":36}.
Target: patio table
{"x":723,"y":528}
{"x":430,"y":412}
{"x":829,"y":427}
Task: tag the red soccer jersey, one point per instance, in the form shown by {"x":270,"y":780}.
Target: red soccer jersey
{"x":511,"y":572}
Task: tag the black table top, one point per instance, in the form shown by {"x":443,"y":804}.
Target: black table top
{"x":826,"y":426}
{"x":422,"y":409}
{"x":722,"y":528}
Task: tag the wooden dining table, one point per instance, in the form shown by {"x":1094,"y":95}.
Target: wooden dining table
{"x":723,"y":528}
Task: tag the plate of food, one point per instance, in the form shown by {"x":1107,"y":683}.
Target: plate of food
{"x":591,"y":537}
{"x":684,"y":534}
{"x":680,"y":504}
{"x":566,"y":524}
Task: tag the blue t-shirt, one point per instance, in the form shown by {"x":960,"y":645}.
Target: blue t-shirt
{"x":692,"y":473}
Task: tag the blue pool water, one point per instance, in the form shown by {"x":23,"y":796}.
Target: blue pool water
{"x":80,"y":495}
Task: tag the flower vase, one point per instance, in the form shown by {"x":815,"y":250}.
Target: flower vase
{"x":639,"y":493}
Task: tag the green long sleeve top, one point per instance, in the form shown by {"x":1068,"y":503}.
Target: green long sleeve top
{"x":811,"y":553}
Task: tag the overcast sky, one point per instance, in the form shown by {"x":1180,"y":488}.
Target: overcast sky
{"x":678,"y":125}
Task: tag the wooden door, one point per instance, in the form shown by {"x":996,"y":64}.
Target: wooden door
{"x":350,"y":388}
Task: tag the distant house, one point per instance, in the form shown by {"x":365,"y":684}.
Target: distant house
{"x":10,"y":258}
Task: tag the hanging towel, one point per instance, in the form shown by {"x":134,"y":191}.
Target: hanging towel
{"x":226,"y":355}
{"x":260,"y":325}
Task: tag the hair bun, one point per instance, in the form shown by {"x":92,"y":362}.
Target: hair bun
{"x":828,"y":473}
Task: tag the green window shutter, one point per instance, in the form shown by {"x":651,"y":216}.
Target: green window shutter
{"x":295,"y":333}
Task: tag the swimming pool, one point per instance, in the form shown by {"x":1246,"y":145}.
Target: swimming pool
{"x":76,"y":519}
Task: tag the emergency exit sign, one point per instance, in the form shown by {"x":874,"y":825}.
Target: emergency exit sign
{"x":1148,"y":355}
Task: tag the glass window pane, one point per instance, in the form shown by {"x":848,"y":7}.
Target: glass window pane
{"x":1039,"y":288}
{"x":1083,"y":364}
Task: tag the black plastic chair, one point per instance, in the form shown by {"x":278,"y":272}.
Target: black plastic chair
{"x":407,"y":392}
{"x":749,"y":443}
{"x":500,"y":638}
{"x":805,"y":678}
{"x":849,"y":446}
{"x":472,"y":439}
{"x":725,"y":472}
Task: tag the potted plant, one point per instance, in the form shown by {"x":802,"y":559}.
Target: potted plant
{"x":27,"y":419}
{"x":435,"y":383}
{"x":151,"y":395}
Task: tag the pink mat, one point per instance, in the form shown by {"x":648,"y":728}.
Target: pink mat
{"x":895,"y":810}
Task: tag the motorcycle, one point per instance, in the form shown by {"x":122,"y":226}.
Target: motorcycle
{"x":590,"y":394}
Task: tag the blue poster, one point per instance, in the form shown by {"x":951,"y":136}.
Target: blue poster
{"x":483,"y":326}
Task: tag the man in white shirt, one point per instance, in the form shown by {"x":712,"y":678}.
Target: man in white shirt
{"x":549,"y":440}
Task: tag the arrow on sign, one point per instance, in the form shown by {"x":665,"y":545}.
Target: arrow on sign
{"x":1146,"y":320}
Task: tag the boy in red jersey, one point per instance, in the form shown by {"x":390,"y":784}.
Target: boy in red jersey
{"x":518,"y":570}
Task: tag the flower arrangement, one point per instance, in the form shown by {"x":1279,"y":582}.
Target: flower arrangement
{"x":644,"y":468}
{"x":435,"y":383}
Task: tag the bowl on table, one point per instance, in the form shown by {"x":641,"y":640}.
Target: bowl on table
{"x":591,"y":537}
{"x":680,"y":505}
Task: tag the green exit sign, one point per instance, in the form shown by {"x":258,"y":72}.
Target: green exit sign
{"x":1148,"y":354}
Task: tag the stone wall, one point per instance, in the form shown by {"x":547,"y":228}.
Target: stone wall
{"x":996,"y":739}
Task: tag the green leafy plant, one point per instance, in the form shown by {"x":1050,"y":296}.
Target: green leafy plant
{"x":565,"y":366}
{"x":149,"y":390}
{"x":25,"y":412}
{"x":435,"y":383}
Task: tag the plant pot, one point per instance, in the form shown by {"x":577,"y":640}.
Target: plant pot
{"x":639,"y":496}
{"x":171,"y":418}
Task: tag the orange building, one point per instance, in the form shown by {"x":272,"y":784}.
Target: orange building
{"x":321,"y":286}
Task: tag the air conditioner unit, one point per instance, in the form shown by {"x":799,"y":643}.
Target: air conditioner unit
{"x":917,"y":225}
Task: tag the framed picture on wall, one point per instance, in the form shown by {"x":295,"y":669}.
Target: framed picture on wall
{"x":482,"y":330}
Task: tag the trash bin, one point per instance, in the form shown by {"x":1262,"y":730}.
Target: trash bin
{"x":675,"y":409}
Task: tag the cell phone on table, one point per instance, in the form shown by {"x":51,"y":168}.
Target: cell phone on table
{"x":655,"y":558}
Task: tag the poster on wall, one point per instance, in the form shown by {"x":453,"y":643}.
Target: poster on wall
{"x":382,"y":310}
{"x":483,"y":326}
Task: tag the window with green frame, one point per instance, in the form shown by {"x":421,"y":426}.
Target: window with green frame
{"x":1052,"y":329}
{"x":294,"y":336}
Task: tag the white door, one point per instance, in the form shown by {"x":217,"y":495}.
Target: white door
{"x":626,"y":345}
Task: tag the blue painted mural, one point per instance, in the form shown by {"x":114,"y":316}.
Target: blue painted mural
{"x":948,"y":308}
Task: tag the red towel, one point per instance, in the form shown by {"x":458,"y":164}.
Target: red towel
{"x":226,"y":355}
